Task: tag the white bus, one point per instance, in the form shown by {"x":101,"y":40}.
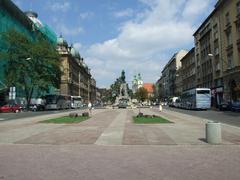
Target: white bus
{"x":76,"y":102}
{"x":55,"y":102}
{"x":198,"y":98}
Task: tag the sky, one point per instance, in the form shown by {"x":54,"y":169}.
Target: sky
{"x":138,"y":36}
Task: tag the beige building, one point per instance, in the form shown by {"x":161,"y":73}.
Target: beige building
{"x":188,"y":71}
{"x":76,"y":78}
{"x":217,"y":45}
{"x":93,"y":91}
{"x":171,"y":78}
{"x":229,"y":17}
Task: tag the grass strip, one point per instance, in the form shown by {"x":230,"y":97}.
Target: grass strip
{"x":66,"y":119}
{"x":150,"y":120}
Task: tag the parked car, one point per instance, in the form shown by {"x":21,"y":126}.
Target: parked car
{"x":235,"y":106}
{"x":224,"y":106}
{"x":37,"y":107}
{"x":10,"y":108}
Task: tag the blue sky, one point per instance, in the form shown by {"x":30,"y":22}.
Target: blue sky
{"x":139,"y":36}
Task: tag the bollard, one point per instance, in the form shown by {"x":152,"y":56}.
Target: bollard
{"x":213,"y":133}
{"x":160,"y":108}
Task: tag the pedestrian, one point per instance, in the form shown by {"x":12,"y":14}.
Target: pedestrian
{"x":90,"y":108}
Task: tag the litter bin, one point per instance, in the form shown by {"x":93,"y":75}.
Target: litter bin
{"x":213,"y":133}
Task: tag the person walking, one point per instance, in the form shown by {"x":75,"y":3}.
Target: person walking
{"x":90,"y":108}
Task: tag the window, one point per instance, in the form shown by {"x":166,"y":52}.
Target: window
{"x":230,"y":61}
{"x":229,"y":37}
{"x":238,"y":8}
{"x":227,"y":18}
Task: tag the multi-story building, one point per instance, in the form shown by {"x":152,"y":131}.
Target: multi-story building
{"x":11,"y":17}
{"x":188,"y":70}
{"x":93,"y":91}
{"x":217,"y":52}
{"x":170,"y":74}
{"x":229,"y":29}
{"x":76,"y":79}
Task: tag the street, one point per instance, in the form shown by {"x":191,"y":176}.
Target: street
{"x":227,"y":117}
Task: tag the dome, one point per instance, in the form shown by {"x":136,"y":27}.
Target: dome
{"x":85,"y":65}
{"x":75,"y":53}
{"x":61,"y":42}
{"x":31,"y":14}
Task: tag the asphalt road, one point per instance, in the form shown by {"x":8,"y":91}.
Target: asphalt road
{"x":227,"y":117}
{"x":12,"y":116}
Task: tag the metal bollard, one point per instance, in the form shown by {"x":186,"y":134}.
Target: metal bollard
{"x":213,"y":133}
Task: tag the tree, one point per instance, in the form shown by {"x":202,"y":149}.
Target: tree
{"x":33,"y":65}
{"x":141,"y":94}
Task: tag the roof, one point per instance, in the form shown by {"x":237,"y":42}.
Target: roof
{"x":217,"y":5}
{"x":191,"y":52}
{"x":148,"y":87}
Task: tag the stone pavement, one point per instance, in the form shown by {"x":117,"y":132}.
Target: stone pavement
{"x":109,"y":146}
{"x":114,"y":127}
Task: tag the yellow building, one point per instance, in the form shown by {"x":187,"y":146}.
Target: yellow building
{"x":217,"y":45}
{"x":229,"y":17}
{"x":76,"y":78}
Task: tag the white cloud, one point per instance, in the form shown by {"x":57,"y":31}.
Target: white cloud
{"x":144,"y":43}
{"x":69,"y":31}
{"x":59,"y":6}
{"x":194,"y":8}
{"x":124,"y":13}
{"x":86,"y":15}
{"x":78,"y":46}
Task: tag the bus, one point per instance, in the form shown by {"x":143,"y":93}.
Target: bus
{"x":56,"y":102}
{"x":197,"y":98}
{"x":76,"y":102}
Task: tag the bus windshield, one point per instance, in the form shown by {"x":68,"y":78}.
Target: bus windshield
{"x":203,"y":92}
{"x":51,"y":99}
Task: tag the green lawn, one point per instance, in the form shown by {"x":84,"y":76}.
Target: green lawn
{"x":66,"y":119}
{"x":150,"y":120}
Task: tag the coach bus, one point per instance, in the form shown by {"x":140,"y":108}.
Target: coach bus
{"x":56,"y":102}
{"x":198,"y":98}
{"x":76,"y":102}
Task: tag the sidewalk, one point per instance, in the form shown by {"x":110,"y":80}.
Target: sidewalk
{"x":109,"y":146}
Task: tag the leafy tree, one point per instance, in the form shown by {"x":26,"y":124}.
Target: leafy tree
{"x":30,"y":64}
{"x":141,"y":94}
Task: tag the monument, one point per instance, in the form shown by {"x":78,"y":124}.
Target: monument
{"x":123,"y":98}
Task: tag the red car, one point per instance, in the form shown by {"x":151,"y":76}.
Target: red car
{"x":10,"y":108}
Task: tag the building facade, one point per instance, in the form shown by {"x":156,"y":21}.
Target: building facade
{"x":188,"y":72}
{"x":11,"y":17}
{"x":171,"y":76}
{"x":229,"y":18}
{"x":217,"y":47}
{"x":76,"y":79}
